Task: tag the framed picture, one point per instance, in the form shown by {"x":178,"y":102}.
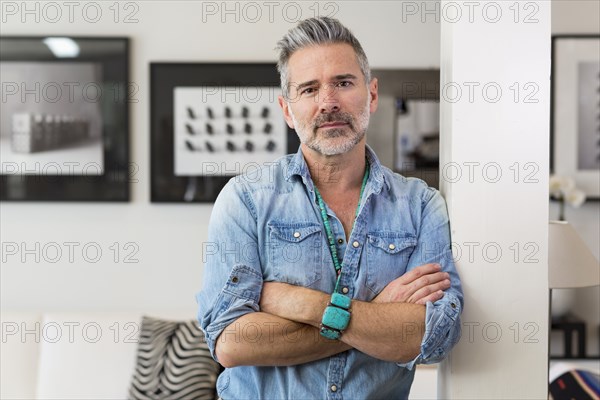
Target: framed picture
{"x":64,"y":130}
{"x":210,"y":122}
{"x":575,"y":122}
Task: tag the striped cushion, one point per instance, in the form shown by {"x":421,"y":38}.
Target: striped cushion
{"x":173,"y":362}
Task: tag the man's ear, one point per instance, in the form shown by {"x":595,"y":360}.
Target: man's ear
{"x":374,"y":95}
{"x":286,"y":111}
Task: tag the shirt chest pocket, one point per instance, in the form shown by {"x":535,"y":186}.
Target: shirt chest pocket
{"x":295,"y":252}
{"x":387,"y":257}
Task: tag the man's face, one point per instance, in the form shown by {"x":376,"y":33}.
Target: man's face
{"x":329,"y":101}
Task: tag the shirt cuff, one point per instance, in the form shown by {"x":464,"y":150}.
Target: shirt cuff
{"x":239,"y":296}
{"x":442,"y":331}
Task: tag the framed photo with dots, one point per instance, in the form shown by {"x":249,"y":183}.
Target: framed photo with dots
{"x":210,"y":122}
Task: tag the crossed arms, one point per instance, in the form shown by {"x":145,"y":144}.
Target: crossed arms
{"x":415,"y":318}
{"x":389,"y":328}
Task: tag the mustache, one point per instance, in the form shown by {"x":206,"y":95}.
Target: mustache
{"x":330,"y":118}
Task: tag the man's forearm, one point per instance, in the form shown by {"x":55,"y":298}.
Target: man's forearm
{"x":386,"y":331}
{"x":262,"y":339}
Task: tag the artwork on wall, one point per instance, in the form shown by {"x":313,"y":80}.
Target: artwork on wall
{"x":575,"y":149}
{"x":64,"y":131}
{"x":210,"y":122}
{"x":209,"y":131}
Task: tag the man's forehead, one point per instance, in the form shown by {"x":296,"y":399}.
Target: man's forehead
{"x":318,"y":62}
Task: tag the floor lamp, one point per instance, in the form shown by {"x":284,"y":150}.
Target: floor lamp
{"x":571,"y":264}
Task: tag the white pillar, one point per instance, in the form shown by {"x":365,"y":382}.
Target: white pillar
{"x":495,"y":105}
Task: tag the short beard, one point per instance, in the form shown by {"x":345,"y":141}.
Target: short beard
{"x":358,"y":128}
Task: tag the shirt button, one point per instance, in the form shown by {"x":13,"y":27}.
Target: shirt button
{"x":333,"y":388}
{"x":391,"y":246}
{"x":452,"y":305}
{"x":235,"y":279}
{"x":355,"y":244}
{"x":296,"y":234}
{"x":340,"y":240}
{"x":345,"y":290}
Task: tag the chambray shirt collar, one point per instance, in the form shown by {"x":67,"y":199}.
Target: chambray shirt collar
{"x":299,"y":167}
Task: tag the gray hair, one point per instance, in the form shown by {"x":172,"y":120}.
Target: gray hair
{"x":316,"y":31}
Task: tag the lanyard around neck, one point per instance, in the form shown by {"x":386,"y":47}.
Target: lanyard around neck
{"x":330,"y":238}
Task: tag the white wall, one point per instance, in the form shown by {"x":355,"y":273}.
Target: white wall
{"x":575,"y":16}
{"x":505,"y":318}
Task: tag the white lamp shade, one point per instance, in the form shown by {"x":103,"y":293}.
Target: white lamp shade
{"x":571,"y":264}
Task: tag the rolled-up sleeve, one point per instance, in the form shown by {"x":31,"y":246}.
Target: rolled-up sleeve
{"x":442,"y":318}
{"x":232,"y":277}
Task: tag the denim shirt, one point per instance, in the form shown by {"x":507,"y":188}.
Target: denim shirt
{"x":266,"y":226}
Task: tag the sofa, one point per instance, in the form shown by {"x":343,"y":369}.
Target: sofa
{"x":75,"y":355}
{"x":92,"y":355}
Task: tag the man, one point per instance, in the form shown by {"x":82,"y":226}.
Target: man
{"x":275,"y":311}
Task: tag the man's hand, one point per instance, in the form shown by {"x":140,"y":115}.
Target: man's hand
{"x":420,"y":285}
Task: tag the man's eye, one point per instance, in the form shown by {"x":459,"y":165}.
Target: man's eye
{"x":307,"y":91}
{"x":344,"y":83}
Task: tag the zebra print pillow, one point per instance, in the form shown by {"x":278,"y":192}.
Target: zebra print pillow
{"x":173,"y":362}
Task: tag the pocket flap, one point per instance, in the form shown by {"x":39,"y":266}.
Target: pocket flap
{"x":293,"y":232}
{"x":392,"y":242}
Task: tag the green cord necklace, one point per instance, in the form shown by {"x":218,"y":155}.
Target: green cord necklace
{"x":332,"y":248}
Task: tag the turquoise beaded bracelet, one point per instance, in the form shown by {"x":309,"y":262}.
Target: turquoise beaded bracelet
{"x":336,"y":316}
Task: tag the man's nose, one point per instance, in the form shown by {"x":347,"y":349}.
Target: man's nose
{"x":329,"y":99}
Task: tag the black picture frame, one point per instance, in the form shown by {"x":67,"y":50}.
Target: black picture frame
{"x":166,"y":186}
{"x":101,"y":170}
{"x":565,"y":123}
